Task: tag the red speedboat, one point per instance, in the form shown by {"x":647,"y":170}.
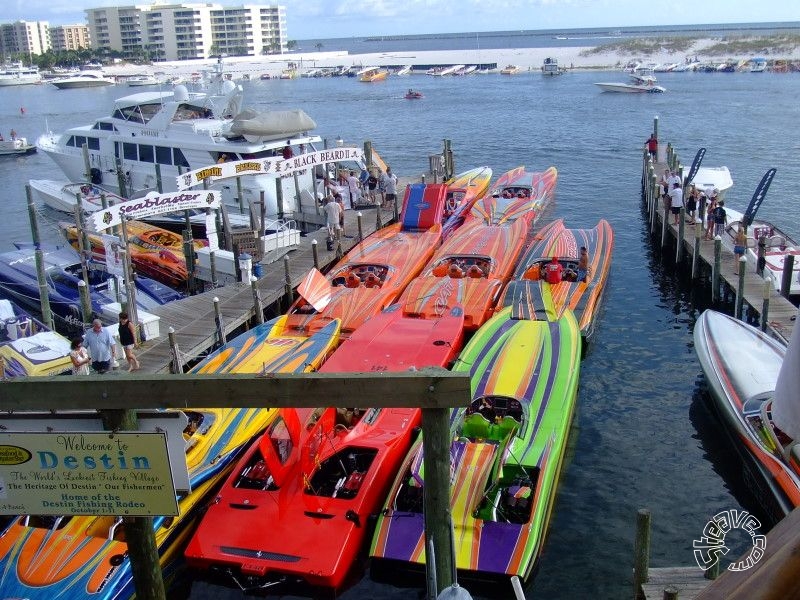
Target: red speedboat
{"x":413,"y":95}
{"x":296,"y":507}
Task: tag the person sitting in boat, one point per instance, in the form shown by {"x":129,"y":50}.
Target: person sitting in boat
{"x":454,"y":271}
{"x":583,"y":264}
{"x":533,"y":273}
{"x":553,"y":271}
{"x":13,"y":135}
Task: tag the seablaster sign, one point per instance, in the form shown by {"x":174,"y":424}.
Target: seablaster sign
{"x":275,"y":166}
{"x":154,"y":204}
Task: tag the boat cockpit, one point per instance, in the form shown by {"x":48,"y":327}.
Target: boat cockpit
{"x":461,"y":266}
{"x":361,"y":275}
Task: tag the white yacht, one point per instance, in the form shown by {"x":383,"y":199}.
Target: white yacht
{"x":180,"y":131}
{"x":17,"y":74}
{"x":83,"y":79}
{"x":550,"y":67}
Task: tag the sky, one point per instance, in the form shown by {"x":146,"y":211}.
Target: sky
{"x":311,"y":19}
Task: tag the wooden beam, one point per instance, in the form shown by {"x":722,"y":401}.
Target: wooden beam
{"x":427,"y":388}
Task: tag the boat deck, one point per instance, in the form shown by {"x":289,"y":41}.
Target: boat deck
{"x":193,"y":319}
{"x":781,"y":315}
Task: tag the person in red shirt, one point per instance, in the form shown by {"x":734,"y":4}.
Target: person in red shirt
{"x":553,"y":271}
{"x":652,"y":146}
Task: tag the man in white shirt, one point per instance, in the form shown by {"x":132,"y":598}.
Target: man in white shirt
{"x":676,"y":201}
{"x":333,"y":213}
{"x":354,"y":187}
{"x":389,"y":185}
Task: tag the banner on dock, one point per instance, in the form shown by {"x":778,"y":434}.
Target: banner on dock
{"x":698,"y":159}
{"x":154,"y":204}
{"x":274,"y":166}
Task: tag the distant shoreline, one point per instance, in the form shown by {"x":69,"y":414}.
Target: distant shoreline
{"x":527,"y":59}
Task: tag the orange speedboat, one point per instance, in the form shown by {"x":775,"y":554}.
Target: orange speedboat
{"x":376,"y":271}
{"x":155,"y":252}
{"x":462,"y":192}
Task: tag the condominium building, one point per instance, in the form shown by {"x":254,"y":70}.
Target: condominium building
{"x":24,"y":37}
{"x":164,"y":31}
{"x":69,"y":37}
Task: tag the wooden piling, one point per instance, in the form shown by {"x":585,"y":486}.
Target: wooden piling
{"x":218,"y":322}
{"x":698,"y":235}
{"x":258,"y":309}
{"x":315,"y":253}
{"x":139,"y":535}
{"x":740,"y":288}
{"x":44,"y":296}
{"x":359,"y":217}
{"x":765,"y":304}
{"x":176,"y":365}
{"x":715,"y":270}
{"x":788,"y":272}
{"x":641,"y":551}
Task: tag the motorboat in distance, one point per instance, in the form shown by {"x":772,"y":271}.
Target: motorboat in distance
{"x":82,"y":80}
{"x":639,"y":84}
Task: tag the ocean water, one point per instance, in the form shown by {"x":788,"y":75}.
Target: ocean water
{"x":643,"y":435}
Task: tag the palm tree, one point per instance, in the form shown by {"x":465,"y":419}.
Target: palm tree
{"x":318,"y":46}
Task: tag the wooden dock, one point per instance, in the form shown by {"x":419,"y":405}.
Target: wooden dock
{"x":193,"y":319}
{"x":686,"y":238}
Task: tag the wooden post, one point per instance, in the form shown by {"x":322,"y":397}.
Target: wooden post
{"x":436,"y":500}
{"x":698,"y":235}
{"x":396,"y":208}
{"x":788,"y":271}
{"x":86,"y":303}
{"x":740,"y":288}
{"x":681,"y":233}
{"x":130,"y":283}
{"x":240,"y":194}
{"x":670,"y":593}
{"x":368,"y":155}
{"x":159,"y":182}
{"x":279,"y":197}
{"x":449,"y":163}
{"x":123,"y":190}
{"x":378,"y":222}
{"x":765,"y":306}
{"x":103,"y":200}
{"x":175,"y":364}
{"x":213,"y":260}
{"x":139,"y":535}
{"x":218,"y":322}
{"x":360,"y":226}
{"x":262,"y":213}
{"x":713,"y":571}
{"x":86,"y":162}
{"x":298,"y":204}
{"x":258,"y":309}
{"x":44,"y":296}
{"x":188,"y":255}
{"x":664,"y":226}
{"x":655,"y":127}
{"x":315,"y":253}
{"x":339,"y":251}
{"x":641,"y":551}
{"x":715,"y":270}
{"x":287,"y":281}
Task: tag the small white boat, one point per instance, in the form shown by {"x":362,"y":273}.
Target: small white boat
{"x":16,"y":146}
{"x":406,"y":70}
{"x":778,"y":245}
{"x":640,"y":83}
{"x":469,"y":70}
{"x":63,"y":195}
{"x":510,"y":70}
{"x":142,"y":80}
{"x":83,"y":79}
{"x":758,"y":65}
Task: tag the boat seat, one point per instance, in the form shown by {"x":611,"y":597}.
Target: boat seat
{"x":352,"y":280}
{"x":475,"y":272}
{"x":776,"y":241}
{"x":372,"y":281}
{"x":440,"y":270}
{"x":455,"y":272}
{"x":504,"y":428}
{"x":475,"y":426}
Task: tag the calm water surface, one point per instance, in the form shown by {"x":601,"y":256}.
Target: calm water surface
{"x":643,"y":435}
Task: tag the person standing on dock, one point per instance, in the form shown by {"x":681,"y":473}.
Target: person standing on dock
{"x":101,"y":347}
{"x":333,"y":212}
{"x":354,"y":187}
{"x":127,"y":338}
{"x":720,"y":218}
{"x":389,"y":185}
{"x":739,"y":247}
{"x":676,"y":201}
{"x":652,"y":146}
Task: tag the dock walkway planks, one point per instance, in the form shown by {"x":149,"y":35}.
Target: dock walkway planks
{"x":193,"y":318}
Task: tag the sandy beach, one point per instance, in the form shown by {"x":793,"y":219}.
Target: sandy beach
{"x":528,"y":59}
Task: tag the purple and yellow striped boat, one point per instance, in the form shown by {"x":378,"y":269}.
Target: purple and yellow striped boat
{"x":506,"y":453}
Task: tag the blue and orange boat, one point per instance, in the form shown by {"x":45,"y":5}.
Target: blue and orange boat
{"x":506,"y":455}
{"x":376,"y":271}
{"x":534,"y":298}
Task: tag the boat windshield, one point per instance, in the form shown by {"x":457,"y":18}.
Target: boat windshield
{"x":137,"y":113}
{"x":458,"y":266}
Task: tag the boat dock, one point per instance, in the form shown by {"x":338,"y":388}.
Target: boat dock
{"x":193,"y":320}
{"x":700,"y":255}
